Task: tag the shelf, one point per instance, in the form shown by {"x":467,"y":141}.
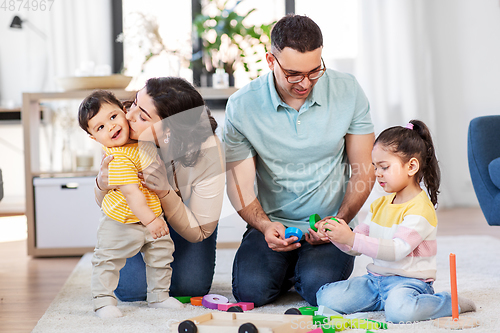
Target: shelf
{"x":90,"y":173}
{"x":31,"y":118}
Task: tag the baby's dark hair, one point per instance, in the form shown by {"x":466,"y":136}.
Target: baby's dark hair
{"x":416,"y":142}
{"x":91,"y":105}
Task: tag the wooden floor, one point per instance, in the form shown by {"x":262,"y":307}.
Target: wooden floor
{"x":28,"y":285}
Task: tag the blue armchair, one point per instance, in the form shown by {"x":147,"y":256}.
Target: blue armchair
{"x":483,"y":150}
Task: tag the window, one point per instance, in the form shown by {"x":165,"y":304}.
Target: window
{"x":338,"y":20}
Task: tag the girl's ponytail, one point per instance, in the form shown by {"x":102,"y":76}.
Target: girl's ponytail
{"x":429,"y":171}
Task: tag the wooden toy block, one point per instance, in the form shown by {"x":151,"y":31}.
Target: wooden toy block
{"x":196,"y":301}
{"x":328,"y":329}
{"x":308,"y":310}
{"x":320,"y":320}
{"x":363,"y":324}
{"x":312,"y":221}
{"x":183,"y":299}
{"x":212,"y":301}
{"x":291,"y":231}
{"x":340,"y":324}
{"x":316,"y":330}
{"x":245,"y":306}
{"x":217,"y":322}
{"x":225,"y":306}
{"x":315,"y":218}
{"x":324,"y":311}
{"x":455,"y":322}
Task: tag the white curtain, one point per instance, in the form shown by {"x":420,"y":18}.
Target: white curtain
{"x":52,"y":43}
{"x":79,"y":33}
{"x":395,"y":68}
{"x":394,"y":63}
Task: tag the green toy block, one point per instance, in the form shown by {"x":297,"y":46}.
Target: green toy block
{"x":364,"y":324}
{"x":381,"y":325}
{"x":312,"y":221}
{"x":308,"y":310}
{"x":339,"y":324}
{"x":336,"y":317}
{"x":320,"y":320}
{"x":315,"y":218}
{"x":328,"y":328}
{"x":183,"y":299}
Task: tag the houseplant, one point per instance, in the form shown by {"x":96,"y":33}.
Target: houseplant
{"x":228,"y":40}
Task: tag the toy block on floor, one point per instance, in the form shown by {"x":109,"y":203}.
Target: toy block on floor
{"x":245,"y":306}
{"x":324,"y":311}
{"x":316,"y":330}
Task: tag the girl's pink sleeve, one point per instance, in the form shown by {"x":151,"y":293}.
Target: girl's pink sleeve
{"x":361,"y":229}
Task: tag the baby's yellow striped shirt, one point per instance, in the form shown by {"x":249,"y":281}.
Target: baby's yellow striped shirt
{"x":123,"y":169}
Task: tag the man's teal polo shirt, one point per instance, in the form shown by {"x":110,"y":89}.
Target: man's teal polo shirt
{"x":302,"y":166}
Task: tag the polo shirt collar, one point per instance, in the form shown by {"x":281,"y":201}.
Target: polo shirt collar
{"x":319,"y":93}
{"x":275,"y":98}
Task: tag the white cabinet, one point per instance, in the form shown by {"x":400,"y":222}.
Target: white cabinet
{"x":66,"y":213}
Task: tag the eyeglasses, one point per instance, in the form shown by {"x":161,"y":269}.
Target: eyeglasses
{"x":296,"y":78}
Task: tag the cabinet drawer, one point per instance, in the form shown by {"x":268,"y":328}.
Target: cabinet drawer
{"x":66,"y":214}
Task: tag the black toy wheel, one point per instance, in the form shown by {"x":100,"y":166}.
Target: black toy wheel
{"x":248,"y":328}
{"x":293,"y":311}
{"x":235,"y":308}
{"x":187,"y":326}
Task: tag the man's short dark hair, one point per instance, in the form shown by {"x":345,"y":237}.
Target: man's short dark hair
{"x":297,"y":32}
{"x":92,"y":104}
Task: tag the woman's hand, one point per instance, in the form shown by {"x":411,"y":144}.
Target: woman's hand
{"x":154,"y":177}
{"x":102,"y":176}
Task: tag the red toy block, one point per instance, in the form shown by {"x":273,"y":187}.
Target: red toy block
{"x":225,"y":306}
{"x":245,"y":306}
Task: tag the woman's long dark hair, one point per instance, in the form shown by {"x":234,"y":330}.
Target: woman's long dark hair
{"x":416,"y":142}
{"x":171,"y":96}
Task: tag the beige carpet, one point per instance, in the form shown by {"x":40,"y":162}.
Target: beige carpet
{"x":478,"y":270}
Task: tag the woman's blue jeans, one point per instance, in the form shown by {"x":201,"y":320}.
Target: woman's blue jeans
{"x":403,"y":299}
{"x":260,"y":274}
{"x":192,"y":270}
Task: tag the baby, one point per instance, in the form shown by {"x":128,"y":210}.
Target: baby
{"x":131,"y":219}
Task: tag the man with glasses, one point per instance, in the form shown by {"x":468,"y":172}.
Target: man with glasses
{"x":305,"y":134}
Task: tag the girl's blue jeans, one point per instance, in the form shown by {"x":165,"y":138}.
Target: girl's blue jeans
{"x":403,"y":299}
{"x":192,"y":270}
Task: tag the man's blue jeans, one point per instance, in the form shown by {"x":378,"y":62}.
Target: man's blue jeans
{"x":192,"y":270}
{"x":260,"y":274}
{"x":403,"y":299}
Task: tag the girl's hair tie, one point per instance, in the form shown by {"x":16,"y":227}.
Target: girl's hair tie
{"x":409,"y":126}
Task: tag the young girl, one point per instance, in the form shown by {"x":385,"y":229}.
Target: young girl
{"x":399,"y":234}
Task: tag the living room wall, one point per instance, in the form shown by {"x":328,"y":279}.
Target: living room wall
{"x":466,"y":53}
